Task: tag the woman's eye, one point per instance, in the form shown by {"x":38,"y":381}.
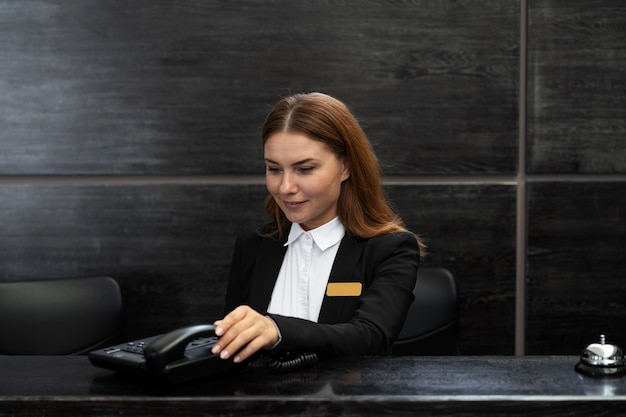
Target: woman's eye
{"x":305,"y":170}
{"x":273,"y":169}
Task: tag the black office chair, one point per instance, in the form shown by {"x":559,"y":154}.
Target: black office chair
{"x":59,"y":316}
{"x":431,"y":326}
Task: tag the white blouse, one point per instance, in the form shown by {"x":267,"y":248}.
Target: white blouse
{"x":301,"y":283}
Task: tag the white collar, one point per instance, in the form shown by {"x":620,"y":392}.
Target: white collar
{"x":324,"y":236}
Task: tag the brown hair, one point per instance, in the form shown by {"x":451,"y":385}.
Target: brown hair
{"x":363,"y":207}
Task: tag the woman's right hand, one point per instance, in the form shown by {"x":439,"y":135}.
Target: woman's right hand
{"x":243,"y":332}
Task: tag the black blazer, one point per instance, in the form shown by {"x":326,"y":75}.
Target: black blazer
{"x":364,"y":324}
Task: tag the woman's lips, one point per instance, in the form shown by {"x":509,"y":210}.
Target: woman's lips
{"x":293,"y":204}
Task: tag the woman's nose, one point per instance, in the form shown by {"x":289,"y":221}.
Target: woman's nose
{"x":287,"y":184}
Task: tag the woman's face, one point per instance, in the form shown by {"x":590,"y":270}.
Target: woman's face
{"x":304,"y":177}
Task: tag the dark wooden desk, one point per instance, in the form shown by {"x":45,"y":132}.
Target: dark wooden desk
{"x":394,"y":386}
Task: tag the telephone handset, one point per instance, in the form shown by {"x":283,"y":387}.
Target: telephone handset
{"x":178,"y":356}
{"x":185,"y":354}
{"x":169,"y":349}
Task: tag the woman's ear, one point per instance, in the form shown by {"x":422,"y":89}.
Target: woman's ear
{"x":345,"y":174}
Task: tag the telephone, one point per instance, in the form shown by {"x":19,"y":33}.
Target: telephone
{"x":185,"y":354}
{"x":178,"y":356}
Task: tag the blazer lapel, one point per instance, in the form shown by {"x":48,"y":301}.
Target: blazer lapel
{"x":269,"y":260}
{"x":348,"y":256}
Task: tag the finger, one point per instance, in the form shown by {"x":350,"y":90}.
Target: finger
{"x":242,"y":348}
{"x":232,"y":318}
{"x":250,"y":349}
{"x":228,"y":328}
{"x":225,"y":335}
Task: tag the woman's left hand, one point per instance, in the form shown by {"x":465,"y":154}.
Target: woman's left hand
{"x":243,"y":332}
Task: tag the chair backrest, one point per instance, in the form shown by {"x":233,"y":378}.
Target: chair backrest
{"x":431,"y":326}
{"x":58,"y":316}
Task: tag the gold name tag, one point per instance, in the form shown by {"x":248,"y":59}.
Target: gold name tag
{"x":343,"y":289}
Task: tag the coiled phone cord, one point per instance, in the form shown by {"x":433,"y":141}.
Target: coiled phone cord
{"x":291,"y":363}
{"x":284,"y":363}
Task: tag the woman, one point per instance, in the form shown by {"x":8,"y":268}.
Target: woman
{"x":333,"y":271}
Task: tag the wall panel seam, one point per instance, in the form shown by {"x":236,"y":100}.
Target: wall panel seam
{"x":522,"y":207}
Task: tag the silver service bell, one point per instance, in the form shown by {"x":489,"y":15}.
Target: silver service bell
{"x":601,"y":359}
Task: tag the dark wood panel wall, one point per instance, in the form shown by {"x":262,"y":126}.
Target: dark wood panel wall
{"x":130,"y":146}
{"x":576,"y":162}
